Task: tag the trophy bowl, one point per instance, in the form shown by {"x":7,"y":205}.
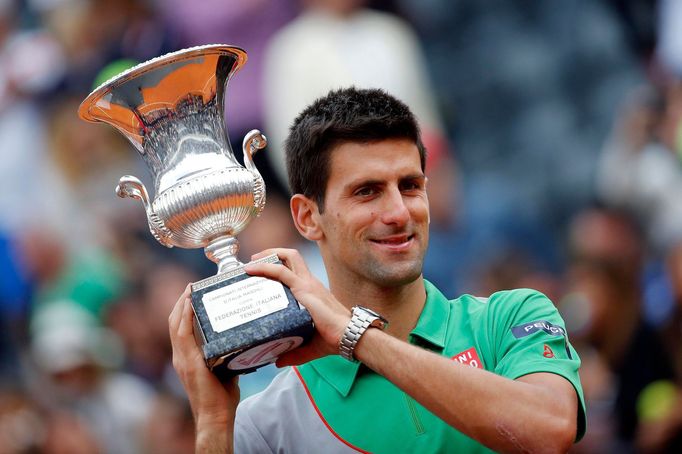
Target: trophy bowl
{"x":171,"y":108}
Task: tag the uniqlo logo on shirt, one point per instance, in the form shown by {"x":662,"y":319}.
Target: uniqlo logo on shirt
{"x":469,"y":357}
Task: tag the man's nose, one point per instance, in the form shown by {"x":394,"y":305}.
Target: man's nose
{"x":395,"y":210}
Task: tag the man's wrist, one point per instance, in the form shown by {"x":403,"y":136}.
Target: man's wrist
{"x":361,"y":320}
{"x":367,"y":346}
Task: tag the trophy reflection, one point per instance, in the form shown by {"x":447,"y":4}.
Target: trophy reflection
{"x":171,"y":108}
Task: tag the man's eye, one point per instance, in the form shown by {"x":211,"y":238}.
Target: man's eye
{"x":410,"y":185}
{"x":366,"y":191}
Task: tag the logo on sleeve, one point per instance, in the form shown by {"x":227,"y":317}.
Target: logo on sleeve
{"x":533,"y":327}
{"x":548,"y":353}
{"x":529,"y":328}
{"x":469,"y":357}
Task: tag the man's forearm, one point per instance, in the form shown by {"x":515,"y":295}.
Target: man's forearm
{"x":505,"y":415}
{"x":213,"y":403}
{"x":214,"y":439}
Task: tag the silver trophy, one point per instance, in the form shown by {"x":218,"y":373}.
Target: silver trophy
{"x":171,"y":108}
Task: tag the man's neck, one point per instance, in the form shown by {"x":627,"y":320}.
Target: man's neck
{"x":401,"y":306}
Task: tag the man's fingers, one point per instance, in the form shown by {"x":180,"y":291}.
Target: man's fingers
{"x":293,"y":260}
{"x":272,"y":271}
{"x":290,"y":257}
{"x":176,"y":314}
{"x":186,"y":326}
{"x":262,"y":254}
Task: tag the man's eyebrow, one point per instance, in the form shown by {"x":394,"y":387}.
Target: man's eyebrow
{"x":367,"y":182}
{"x":378,"y":182}
{"x":414,"y":176}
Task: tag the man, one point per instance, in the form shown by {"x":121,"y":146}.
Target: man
{"x":458,"y":375}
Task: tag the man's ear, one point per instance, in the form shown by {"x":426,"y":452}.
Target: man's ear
{"x":306,"y":217}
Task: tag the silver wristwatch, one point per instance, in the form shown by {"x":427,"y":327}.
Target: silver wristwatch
{"x":361,"y":319}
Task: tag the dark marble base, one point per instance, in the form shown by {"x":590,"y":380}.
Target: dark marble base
{"x":253,"y":342}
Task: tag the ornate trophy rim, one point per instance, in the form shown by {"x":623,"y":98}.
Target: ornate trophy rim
{"x":146,"y":66}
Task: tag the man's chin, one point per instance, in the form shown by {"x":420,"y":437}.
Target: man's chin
{"x":396,"y":277}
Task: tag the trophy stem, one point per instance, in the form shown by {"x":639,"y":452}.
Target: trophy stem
{"x":223,"y":251}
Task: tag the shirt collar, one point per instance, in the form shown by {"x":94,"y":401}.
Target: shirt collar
{"x":433,"y":322}
{"x":431,"y":327}
{"x":338,"y":372}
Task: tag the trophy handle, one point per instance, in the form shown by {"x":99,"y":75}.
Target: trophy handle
{"x":254,"y":141}
{"x":130,"y":186}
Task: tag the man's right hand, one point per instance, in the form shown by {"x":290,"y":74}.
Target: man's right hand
{"x":329,"y":315}
{"x":213,"y":403}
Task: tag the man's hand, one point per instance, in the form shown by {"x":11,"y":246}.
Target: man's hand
{"x":213,"y":403}
{"x":329,"y":315}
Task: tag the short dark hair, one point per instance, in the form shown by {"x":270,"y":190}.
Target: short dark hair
{"x":344,"y":115}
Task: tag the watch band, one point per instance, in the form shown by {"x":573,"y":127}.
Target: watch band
{"x":361,"y":319}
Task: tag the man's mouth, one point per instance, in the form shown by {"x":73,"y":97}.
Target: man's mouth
{"x":394,"y":240}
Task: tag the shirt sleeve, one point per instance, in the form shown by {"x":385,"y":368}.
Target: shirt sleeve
{"x":247,"y":438}
{"x":529,"y":337}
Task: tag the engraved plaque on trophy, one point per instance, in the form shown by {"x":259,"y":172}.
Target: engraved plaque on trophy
{"x":171,"y":108}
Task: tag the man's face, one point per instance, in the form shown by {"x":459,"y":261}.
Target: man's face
{"x":376,"y":213}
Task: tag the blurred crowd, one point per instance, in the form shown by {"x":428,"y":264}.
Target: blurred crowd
{"x":554,"y":132}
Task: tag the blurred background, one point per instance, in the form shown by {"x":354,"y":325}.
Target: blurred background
{"x":554,"y":132}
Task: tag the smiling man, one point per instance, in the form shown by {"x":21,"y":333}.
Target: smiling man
{"x":465,"y":375}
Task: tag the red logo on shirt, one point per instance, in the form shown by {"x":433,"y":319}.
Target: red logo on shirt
{"x":469,"y":357}
{"x":548,"y":353}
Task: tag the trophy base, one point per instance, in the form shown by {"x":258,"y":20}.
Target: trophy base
{"x":244,"y":322}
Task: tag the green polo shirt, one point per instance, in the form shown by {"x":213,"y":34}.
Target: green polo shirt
{"x":512,"y":333}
